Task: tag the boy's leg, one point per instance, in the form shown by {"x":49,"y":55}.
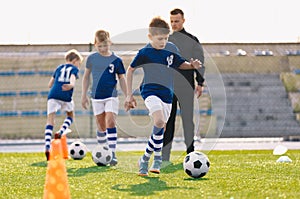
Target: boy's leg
{"x":111,"y":111}
{"x":101,"y":129}
{"x":48,"y":136}
{"x":112,"y":138}
{"x":112,"y":143}
{"x":154,"y":144}
{"x":160,"y":111}
{"x":157,"y":139}
{"x":101,"y":137}
{"x":48,"y":133}
{"x":66,"y":124}
{"x":68,"y":107}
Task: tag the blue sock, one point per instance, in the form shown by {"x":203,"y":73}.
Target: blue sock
{"x":155,"y":143}
{"x":101,"y":137}
{"x":48,"y":136}
{"x":112,"y":138}
{"x":67,"y":123}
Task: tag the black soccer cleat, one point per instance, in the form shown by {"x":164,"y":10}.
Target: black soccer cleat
{"x":57,"y":135}
{"x":47,"y":153}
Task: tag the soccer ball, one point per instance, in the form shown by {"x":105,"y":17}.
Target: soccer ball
{"x":196,"y":164}
{"x":102,"y":155}
{"x":77,"y":150}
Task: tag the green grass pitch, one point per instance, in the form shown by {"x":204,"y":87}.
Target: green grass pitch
{"x":233,"y":174}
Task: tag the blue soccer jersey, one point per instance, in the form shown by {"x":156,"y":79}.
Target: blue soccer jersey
{"x":104,"y":70}
{"x":158,"y":77}
{"x":61,"y":76}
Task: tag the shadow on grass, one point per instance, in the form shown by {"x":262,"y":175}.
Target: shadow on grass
{"x":171,"y":168}
{"x":39,"y":164}
{"x":153,"y":185}
{"x":78,"y":172}
{"x":196,"y":179}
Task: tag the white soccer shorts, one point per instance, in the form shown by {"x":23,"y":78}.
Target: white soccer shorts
{"x":154,"y":103}
{"x":105,"y":105}
{"x":54,"y":105}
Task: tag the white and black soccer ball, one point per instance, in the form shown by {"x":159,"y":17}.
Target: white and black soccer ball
{"x":102,"y":155}
{"x":77,"y":150}
{"x":196,"y":164}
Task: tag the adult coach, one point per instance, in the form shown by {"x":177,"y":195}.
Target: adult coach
{"x":189,"y":47}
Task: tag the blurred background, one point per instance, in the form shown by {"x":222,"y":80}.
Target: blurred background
{"x":252,"y":54}
{"x":252,"y":90}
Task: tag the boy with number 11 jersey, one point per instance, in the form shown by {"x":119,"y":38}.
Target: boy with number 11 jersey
{"x":61,"y":86}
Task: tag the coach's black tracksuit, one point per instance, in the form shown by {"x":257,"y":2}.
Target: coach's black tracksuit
{"x":189,"y":47}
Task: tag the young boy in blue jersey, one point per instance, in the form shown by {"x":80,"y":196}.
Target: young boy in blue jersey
{"x":156,"y":59}
{"x":105,"y":67}
{"x":61,"y":86}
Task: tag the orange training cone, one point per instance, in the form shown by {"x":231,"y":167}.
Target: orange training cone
{"x":64,"y":147}
{"x":56,"y":185}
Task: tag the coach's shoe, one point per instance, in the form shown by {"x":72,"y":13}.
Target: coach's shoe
{"x":155,"y":168}
{"x":114,"y":160}
{"x":47,"y":153}
{"x":143,"y":167}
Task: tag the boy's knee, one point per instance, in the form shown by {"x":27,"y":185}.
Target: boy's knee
{"x":159,"y":123}
{"x":111,"y":123}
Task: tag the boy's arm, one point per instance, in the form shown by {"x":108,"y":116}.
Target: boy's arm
{"x":193,"y":64}
{"x":129,"y":77}
{"x":130,"y":101}
{"x":85,"y":86}
{"x":123,"y":85}
{"x":51,"y":82}
{"x":67,"y":87}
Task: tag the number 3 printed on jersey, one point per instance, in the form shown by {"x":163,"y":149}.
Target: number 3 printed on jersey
{"x":111,"y":68}
{"x":65,"y":74}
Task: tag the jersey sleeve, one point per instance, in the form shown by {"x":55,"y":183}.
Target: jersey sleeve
{"x":120,"y":66}
{"x":88,"y":63}
{"x":55,"y":72}
{"x":75,"y":72}
{"x":178,"y":59}
{"x":138,"y":60}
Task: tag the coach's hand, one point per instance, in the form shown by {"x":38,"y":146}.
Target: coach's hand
{"x":198,"y":91}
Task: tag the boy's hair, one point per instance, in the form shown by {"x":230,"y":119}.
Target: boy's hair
{"x":177,"y":11}
{"x":73,"y":55}
{"x":158,"y":26}
{"x":101,"y":36}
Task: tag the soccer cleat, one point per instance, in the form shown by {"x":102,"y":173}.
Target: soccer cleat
{"x":143,"y":167}
{"x":57,"y":135}
{"x":114,"y":160}
{"x":155,"y":168}
{"x":47,"y":153}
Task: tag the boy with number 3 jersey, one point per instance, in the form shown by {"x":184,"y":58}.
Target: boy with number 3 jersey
{"x":104,"y":67}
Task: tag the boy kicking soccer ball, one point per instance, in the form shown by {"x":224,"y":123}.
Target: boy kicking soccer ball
{"x":157,"y":59}
{"x":61,"y":86}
